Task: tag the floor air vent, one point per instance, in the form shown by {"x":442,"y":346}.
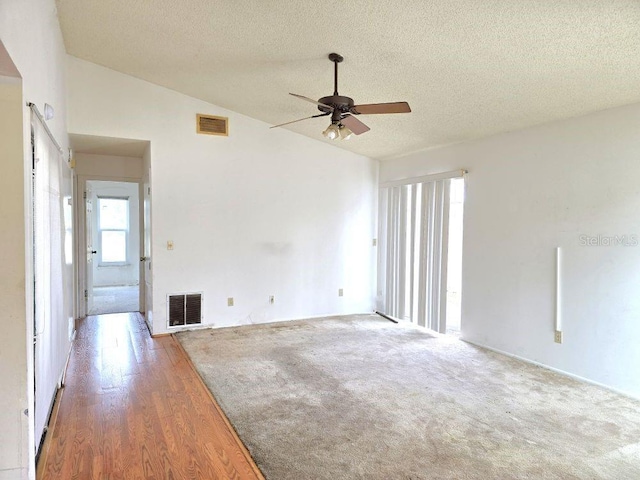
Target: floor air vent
{"x":185,"y":309}
{"x":212,"y":125}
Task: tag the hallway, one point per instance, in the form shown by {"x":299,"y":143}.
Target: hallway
{"x":120,"y":299}
{"x":134,"y":408}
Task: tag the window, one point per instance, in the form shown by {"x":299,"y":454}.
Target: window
{"x":113,"y":226}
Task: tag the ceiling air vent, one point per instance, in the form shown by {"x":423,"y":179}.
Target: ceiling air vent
{"x":185,"y":309}
{"x":212,"y":125}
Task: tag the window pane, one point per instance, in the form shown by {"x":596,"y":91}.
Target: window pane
{"x":114,"y":246}
{"x":114,"y":214}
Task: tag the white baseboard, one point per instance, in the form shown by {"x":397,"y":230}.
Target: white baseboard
{"x":556,"y":370}
{"x":279,"y":320}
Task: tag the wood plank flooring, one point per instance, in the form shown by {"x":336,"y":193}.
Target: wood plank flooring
{"x":134,"y":408}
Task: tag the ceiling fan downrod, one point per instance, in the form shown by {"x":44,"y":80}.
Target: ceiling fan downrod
{"x":336,"y":59}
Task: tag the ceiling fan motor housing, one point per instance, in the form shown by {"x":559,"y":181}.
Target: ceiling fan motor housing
{"x":338,"y":102}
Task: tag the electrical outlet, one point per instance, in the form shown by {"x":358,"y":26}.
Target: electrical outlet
{"x":375,"y":242}
{"x":272,"y":299}
{"x":557,"y":337}
{"x":169,"y":244}
{"x":340,"y":292}
{"x":230,"y":302}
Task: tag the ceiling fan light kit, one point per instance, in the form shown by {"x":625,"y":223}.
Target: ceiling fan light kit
{"x":332,"y":132}
{"x":345,"y":133}
{"x":343,"y":110}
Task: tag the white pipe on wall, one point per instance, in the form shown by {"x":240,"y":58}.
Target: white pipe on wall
{"x":558,"y":319}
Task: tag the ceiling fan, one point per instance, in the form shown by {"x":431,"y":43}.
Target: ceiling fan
{"x":343,"y":110}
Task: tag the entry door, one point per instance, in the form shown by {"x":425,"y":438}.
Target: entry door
{"x":88,"y":225}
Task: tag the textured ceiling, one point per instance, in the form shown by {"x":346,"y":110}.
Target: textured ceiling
{"x":468,"y":68}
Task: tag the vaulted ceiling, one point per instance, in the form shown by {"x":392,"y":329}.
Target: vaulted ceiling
{"x":468,"y":68}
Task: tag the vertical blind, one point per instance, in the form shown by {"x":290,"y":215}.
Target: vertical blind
{"x":49,"y":265}
{"x":414,"y":226}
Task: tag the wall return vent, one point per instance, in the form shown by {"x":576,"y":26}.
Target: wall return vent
{"x":212,"y":125}
{"x":185,"y":309}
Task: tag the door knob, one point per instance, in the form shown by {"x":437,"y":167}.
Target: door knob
{"x":94,"y":251}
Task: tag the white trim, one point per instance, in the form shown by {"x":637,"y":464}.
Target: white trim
{"x":558,"y":317}
{"x":556,"y":370}
{"x":425,"y":178}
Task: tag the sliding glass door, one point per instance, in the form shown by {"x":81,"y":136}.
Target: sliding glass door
{"x":413,"y":255}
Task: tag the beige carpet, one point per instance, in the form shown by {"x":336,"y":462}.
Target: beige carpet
{"x":362,"y":398}
{"x":120,"y":299}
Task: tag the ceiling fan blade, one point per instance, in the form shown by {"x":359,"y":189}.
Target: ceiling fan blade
{"x":373,"y":108}
{"x":355,"y":125}
{"x":302,"y":97}
{"x":301,"y":119}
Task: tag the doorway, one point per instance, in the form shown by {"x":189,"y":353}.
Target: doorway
{"x":112,"y":223}
{"x":420,"y":255}
{"x":111,"y":175}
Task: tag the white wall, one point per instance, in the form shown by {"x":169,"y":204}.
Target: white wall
{"x":108,"y":166}
{"x":261,"y":212}
{"x":527,"y":193}
{"x":30,"y":32}
{"x":13,"y":347}
{"x":112,"y":275}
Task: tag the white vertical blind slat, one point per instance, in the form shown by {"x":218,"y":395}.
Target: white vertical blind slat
{"x":412,"y":247}
{"x":436,"y":243}
{"x":444,"y":255}
{"x":402,"y":252}
{"x":423,"y":260}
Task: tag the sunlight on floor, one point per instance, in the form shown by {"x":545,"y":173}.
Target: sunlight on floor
{"x":115,"y":300}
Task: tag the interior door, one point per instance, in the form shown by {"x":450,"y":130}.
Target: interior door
{"x":91,"y":252}
{"x":142,"y":248}
{"x":146,"y":263}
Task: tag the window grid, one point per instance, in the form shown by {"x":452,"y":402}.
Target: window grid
{"x":113,"y":228}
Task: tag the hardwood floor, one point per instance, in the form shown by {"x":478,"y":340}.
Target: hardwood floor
{"x":134,"y":408}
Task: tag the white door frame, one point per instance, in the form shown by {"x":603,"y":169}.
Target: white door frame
{"x":81,"y":240}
